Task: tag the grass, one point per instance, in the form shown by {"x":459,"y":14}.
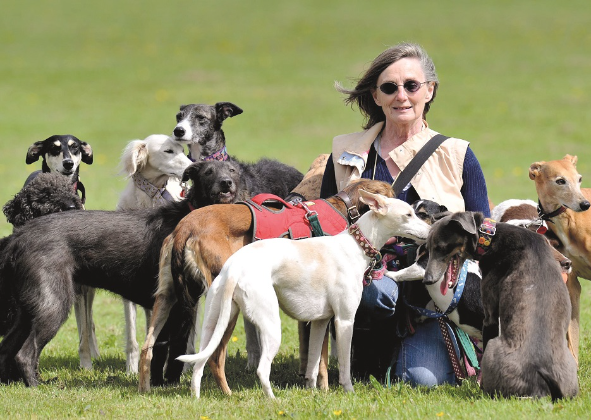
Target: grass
{"x":514,"y":82}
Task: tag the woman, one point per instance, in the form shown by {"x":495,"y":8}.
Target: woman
{"x":395,"y":95}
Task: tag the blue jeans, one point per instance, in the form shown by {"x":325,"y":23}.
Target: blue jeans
{"x":423,"y":358}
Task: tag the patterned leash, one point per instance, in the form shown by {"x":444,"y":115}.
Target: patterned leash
{"x":455,"y":362}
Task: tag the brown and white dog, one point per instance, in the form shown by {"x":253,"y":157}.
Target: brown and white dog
{"x":308,"y":280}
{"x":564,"y":204}
{"x":205,"y":240}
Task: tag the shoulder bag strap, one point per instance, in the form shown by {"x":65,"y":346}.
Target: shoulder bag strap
{"x":415,"y":164}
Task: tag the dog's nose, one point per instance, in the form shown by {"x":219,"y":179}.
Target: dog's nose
{"x":68,"y":164}
{"x":226,"y":183}
{"x":566,"y":265}
{"x":179,"y":132}
{"x":584,"y":205}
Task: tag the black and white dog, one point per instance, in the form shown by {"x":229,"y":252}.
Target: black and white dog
{"x":468,"y":314}
{"x":526,"y":304}
{"x":62,"y":154}
{"x":113,"y":250}
{"x":200,"y":126}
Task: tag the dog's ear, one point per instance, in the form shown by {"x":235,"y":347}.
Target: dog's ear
{"x":226,"y":109}
{"x":534,"y":169}
{"x":191,"y":172}
{"x":376,"y":202}
{"x":571,"y":159}
{"x":442,"y":214}
{"x":182,"y":107}
{"x":134,"y":157}
{"x":466,"y":221}
{"x":443,"y":209}
{"x":34,"y":152}
{"x":86,"y":151}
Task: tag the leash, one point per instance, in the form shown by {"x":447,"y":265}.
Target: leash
{"x":159,"y":196}
{"x":369,"y":250}
{"x":312,"y":218}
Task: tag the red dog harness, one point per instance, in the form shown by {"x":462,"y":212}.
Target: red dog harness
{"x":272,"y":217}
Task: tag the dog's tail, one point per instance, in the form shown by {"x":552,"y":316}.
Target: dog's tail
{"x":221,"y":304}
{"x":555,"y":391}
{"x":189,"y":280}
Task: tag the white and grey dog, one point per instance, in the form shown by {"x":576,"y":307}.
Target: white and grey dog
{"x":310,"y":280}
{"x":153,"y":166}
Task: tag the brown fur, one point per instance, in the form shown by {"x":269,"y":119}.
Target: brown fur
{"x":214,"y":234}
{"x":309,"y":188}
{"x":557,"y":184}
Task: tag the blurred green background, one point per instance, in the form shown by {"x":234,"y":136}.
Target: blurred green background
{"x":514,"y":78}
{"x":515,"y":82}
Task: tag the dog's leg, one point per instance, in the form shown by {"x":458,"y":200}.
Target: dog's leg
{"x":193,"y":334}
{"x":160,"y":312}
{"x":84,"y":295}
{"x":217,"y":361}
{"x":315,"y":347}
{"x":253,"y":346}
{"x":11,"y":345}
{"x":344,"y":330}
{"x":572,"y":335}
{"x":304,"y":339}
{"x":132,"y":350}
{"x":413,"y":272}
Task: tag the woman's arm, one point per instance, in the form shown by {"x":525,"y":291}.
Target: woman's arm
{"x":329,"y":183}
{"x":474,"y":188}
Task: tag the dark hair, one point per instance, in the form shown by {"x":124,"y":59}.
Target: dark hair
{"x":362,"y":93}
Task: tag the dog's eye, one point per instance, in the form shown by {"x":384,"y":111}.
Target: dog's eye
{"x":169,"y":151}
{"x":179,"y":117}
{"x":209,"y":171}
{"x":561,"y":181}
{"x":232,"y":170}
{"x":580,"y":179}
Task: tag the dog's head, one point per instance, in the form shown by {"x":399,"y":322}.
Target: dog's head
{"x":215,"y":182}
{"x":396,"y":217}
{"x":46,"y":193}
{"x":201,"y":124}
{"x":61,"y":153}
{"x":429,"y":211}
{"x":156,"y":156}
{"x":451,"y":241}
{"x":558,"y":183}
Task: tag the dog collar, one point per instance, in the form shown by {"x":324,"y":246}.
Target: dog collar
{"x":551,"y":215}
{"x":221,"y":155}
{"x":352,"y":211}
{"x":369,"y":250}
{"x":487,"y":230}
{"x":159,"y":196}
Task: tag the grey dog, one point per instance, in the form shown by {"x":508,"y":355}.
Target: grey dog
{"x":526,"y":304}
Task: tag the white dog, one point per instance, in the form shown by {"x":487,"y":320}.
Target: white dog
{"x":310,"y":280}
{"x":154,"y":166}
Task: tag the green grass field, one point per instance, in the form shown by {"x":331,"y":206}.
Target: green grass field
{"x":514,"y":82}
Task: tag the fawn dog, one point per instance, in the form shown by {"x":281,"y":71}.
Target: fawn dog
{"x":205,"y":241}
{"x":309,"y":281}
{"x":563,"y":203}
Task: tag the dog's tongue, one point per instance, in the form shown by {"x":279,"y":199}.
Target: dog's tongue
{"x":448,"y":278}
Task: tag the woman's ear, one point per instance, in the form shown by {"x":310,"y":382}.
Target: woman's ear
{"x":430,"y":90}
{"x":374,"y":93}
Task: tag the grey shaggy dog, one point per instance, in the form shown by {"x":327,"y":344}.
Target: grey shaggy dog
{"x":45,"y":194}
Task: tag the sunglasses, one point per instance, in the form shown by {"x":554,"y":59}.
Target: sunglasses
{"x":410,"y":86}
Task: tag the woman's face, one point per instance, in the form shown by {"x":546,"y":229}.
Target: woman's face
{"x":402,"y":107}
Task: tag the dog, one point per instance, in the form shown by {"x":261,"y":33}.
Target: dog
{"x":200,"y":126}
{"x":45,"y":194}
{"x":520,"y":281}
{"x":564,"y":204}
{"x":113,"y":250}
{"x":194,"y":255}
{"x":154,"y":167}
{"x":292,"y":275}
{"x":468,"y":314}
{"x":62,"y":154}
